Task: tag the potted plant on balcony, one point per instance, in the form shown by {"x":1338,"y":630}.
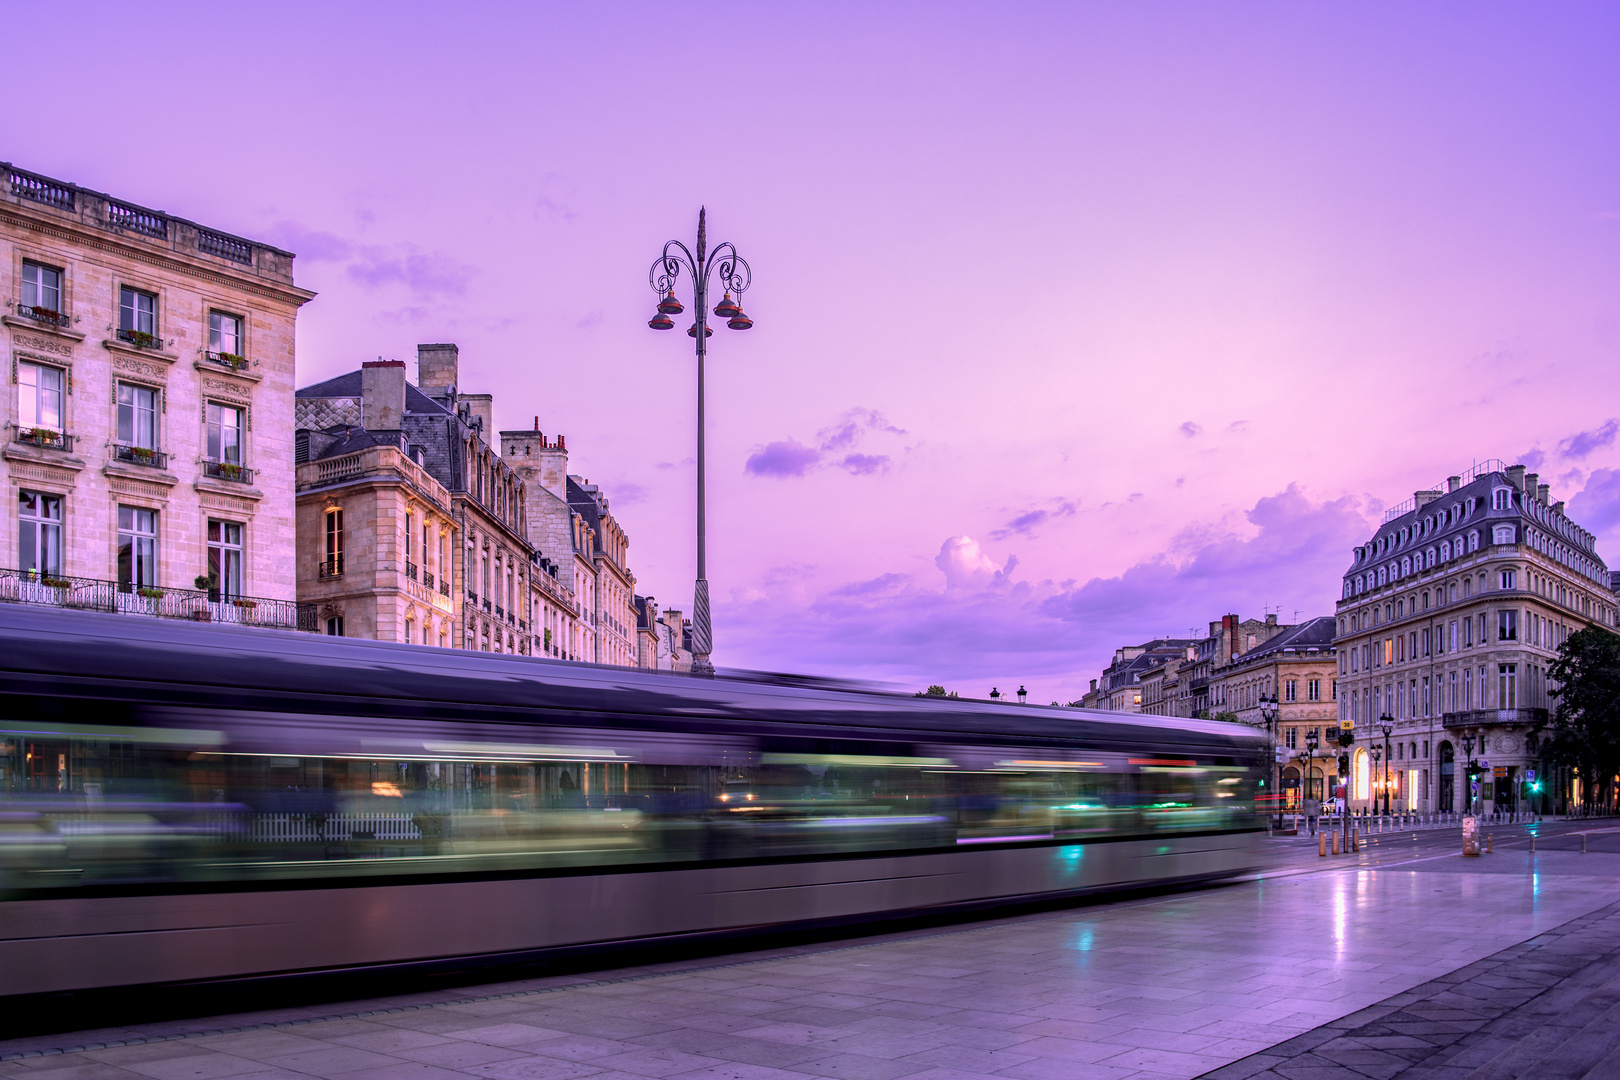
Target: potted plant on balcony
{"x":244,"y":603}
{"x":142,"y":455}
{"x":48,"y":315}
{"x":229,"y":470}
{"x":53,"y":582}
{"x":140,"y":339}
{"x":149,"y":592}
{"x":233,"y":360}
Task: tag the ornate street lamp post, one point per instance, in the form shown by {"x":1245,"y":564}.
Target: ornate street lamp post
{"x":1312,"y":741}
{"x":1387,"y":723}
{"x":734,"y":277}
{"x":1468,"y":770}
{"x":1268,"y":712}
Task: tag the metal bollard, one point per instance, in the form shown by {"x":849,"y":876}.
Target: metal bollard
{"x":1583,"y":843}
{"x":1355,"y":840}
{"x":1532,"y":843}
{"x":1335,"y":843}
{"x":1487,"y":843}
{"x":1321,"y":844}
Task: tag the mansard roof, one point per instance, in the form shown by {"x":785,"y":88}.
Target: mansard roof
{"x":347,"y":385}
{"x":1312,"y":635}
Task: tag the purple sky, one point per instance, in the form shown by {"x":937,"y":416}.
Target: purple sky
{"x":1076,"y":325}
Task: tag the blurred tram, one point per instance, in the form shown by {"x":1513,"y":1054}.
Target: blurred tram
{"x":184,"y":803}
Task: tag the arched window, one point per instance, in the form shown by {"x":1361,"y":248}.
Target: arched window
{"x":1406,"y":566}
{"x":1445,"y":550}
{"x":1473,"y":540}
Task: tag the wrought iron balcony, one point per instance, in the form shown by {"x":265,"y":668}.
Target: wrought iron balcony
{"x":427,"y":580}
{"x":44,"y":315}
{"x":140,"y":339}
{"x":410,"y":570}
{"x":330,"y":567}
{"x":45,"y":437}
{"x":233,"y":361}
{"x":444,"y":586}
{"x":500,"y":613}
{"x":193,"y":605}
{"x":227,"y":470}
{"x":141,"y":455}
{"x":1473,"y":718}
{"x":486,"y":603}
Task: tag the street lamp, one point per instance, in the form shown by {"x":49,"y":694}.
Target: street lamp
{"x":734,"y":278}
{"x":1468,"y":769}
{"x":1377,"y":756}
{"x":1387,"y":724}
{"x":1312,"y":740}
{"x":1268,"y":712}
{"x":1022,"y":694}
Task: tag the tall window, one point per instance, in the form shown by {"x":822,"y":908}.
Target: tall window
{"x":224,"y":433}
{"x":410,"y":540}
{"x":224,"y":333}
{"x":225,"y":556}
{"x":1314,"y":690}
{"x":1509,"y":579}
{"x":137,"y":416}
{"x":1507,"y":686}
{"x":39,"y":397}
{"x":1507,"y":625}
{"x":137,"y":547}
{"x":39,"y":527}
{"x":42,"y":287}
{"x":137,"y":312}
{"x":1291,"y":690}
{"x":334,"y":545}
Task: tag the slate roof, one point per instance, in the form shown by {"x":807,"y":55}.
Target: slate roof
{"x":1311,"y":635}
{"x":347,"y":385}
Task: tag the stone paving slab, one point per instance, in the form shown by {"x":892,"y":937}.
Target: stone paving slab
{"x":1546,"y":1008}
{"x":1177,"y":985}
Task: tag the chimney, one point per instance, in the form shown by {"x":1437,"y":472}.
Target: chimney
{"x":1424,"y":498}
{"x":1558,"y":507}
{"x":1271,"y":618}
{"x":436,"y":365}
{"x":1530,"y":482}
{"x":1453,"y":483}
{"x":481,"y":406}
{"x":1544,"y":492}
{"x":382,"y":395}
{"x":1515,"y":475}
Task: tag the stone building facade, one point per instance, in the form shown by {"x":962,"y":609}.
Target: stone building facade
{"x":376,"y":532}
{"x":1287,"y":686}
{"x":148,"y":449}
{"x":1451,"y":614}
{"x":442,"y":432}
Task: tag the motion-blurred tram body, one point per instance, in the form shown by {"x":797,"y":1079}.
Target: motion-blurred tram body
{"x":188,"y":803}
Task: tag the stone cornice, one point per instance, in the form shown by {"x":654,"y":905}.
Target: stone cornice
{"x":113,"y":244}
{"x":114,"y":345}
{"x":19,"y":322}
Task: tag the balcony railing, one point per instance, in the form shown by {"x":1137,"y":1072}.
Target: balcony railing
{"x":410,"y":570}
{"x":44,"y":315}
{"x":135,"y":219}
{"x":141,"y":455}
{"x":427,"y":580}
{"x":25,"y":185}
{"x":45,"y":437}
{"x":139,"y":338}
{"x":1485,"y":717}
{"x":500,"y":613}
{"x":195,"y":605}
{"x":330,"y":567}
{"x":444,"y":586}
{"x":226,"y":247}
{"x":234,"y":361}
{"x":486,"y":604}
{"x":227,"y":470}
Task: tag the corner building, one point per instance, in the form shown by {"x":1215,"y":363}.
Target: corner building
{"x":148,"y":445}
{"x":1451,"y":615}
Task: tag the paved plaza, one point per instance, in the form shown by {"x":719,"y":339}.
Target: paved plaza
{"x":1165,"y":986}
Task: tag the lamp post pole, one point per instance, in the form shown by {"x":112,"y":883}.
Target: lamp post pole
{"x":1268,"y":710}
{"x":1312,"y":740}
{"x":735,"y":277}
{"x":1468,"y":770}
{"x":1387,"y":723}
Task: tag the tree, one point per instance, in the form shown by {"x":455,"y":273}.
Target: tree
{"x":1225,"y":717}
{"x":1584,"y":730}
{"x":936,"y":690}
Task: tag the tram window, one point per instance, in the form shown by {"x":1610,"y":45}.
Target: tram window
{"x":205,"y":813}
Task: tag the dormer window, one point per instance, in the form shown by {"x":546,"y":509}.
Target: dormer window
{"x":1502,"y":499}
